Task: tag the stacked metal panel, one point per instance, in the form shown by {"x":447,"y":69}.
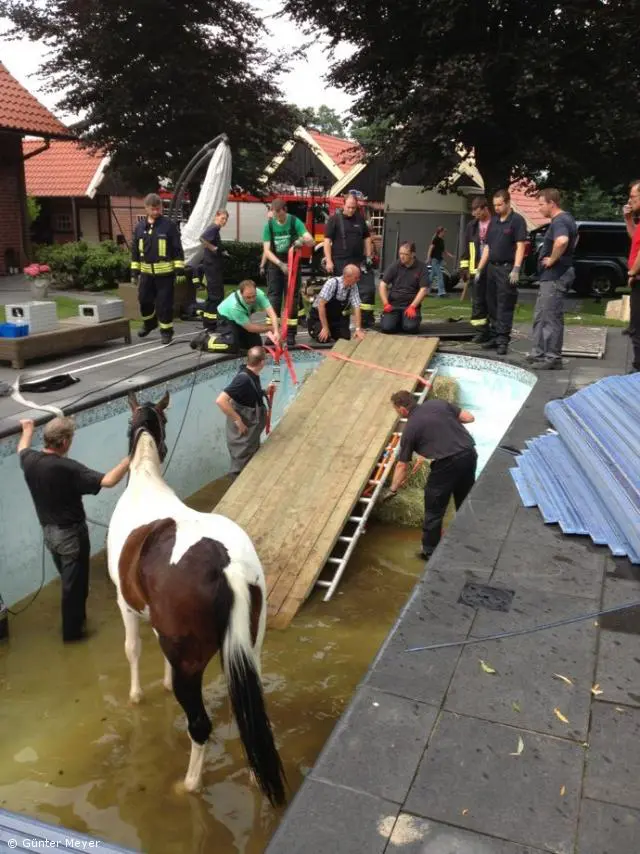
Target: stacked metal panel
{"x":585,"y":477}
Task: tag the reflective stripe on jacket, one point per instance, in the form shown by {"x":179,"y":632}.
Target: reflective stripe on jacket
{"x":156,"y":248}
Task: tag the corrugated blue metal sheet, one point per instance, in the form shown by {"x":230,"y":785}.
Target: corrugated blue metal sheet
{"x":20,"y":833}
{"x":586,"y":476}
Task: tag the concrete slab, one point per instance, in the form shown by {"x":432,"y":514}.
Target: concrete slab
{"x":325,"y":818}
{"x":477,"y":517}
{"x":607,"y":829}
{"x":473,"y":551}
{"x":468,"y":779}
{"x":614,"y":755}
{"x":525,"y":695}
{"x":571,"y":566}
{"x":618,"y":673}
{"x":414,"y":835}
{"x":360,"y":755}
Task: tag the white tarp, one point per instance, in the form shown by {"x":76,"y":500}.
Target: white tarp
{"x":213,"y":196}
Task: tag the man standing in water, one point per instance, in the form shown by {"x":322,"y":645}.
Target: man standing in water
{"x":57,"y":485}
{"x":244,"y":402}
{"x":435,"y":430}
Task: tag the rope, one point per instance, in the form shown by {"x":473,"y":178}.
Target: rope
{"x":333,"y":355}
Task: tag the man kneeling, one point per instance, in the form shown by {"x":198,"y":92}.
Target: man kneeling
{"x":236,"y":331}
{"x":329,"y":315}
{"x":402,"y":288}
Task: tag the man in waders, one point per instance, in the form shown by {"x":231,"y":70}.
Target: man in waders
{"x":236,"y":330}
{"x":245,"y":403}
{"x":329,"y":315}
{"x":435,"y":431}
{"x":555,"y":276}
{"x":502,"y":257}
{"x":212,"y":263}
{"x":281,"y":232}
{"x":347,"y":240}
{"x":475,"y":239}
{"x":57,"y":485}
{"x":157,"y":260}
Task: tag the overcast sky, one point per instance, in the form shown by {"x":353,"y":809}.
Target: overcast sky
{"x":303,"y":85}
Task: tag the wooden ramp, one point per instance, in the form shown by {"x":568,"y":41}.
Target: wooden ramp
{"x":295,"y":496}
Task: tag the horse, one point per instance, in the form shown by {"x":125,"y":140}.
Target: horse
{"x":196,"y":577}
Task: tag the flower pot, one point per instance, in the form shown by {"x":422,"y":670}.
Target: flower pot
{"x":39,"y":288}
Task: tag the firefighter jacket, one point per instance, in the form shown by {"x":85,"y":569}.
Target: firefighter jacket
{"x":472,"y":248}
{"x":156,"y":248}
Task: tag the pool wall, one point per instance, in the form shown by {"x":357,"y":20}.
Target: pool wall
{"x":101,"y":441}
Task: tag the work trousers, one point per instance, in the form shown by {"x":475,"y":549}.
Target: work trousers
{"x":634,"y":323}
{"x":229,"y":337}
{"x":548,"y":318}
{"x":70,"y":549}
{"x":155,"y":295}
{"x":397,"y":321}
{"x":276,"y":291}
{"x":366,"y":289}
{"x":338,"y":326}
{"x":502,"y":297}
{"x":213,"y":273}
{"x":479,"y":306}
{"x":453,"y":475}
{"x":242,"y":447}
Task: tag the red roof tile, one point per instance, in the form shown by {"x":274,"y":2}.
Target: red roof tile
{"x":345,"y":153}
{"x":64,"y":169}
{"x":526,"y":203}
{"x":19,"y":110}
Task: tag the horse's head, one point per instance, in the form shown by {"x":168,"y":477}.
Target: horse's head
{"x":148,"y":418}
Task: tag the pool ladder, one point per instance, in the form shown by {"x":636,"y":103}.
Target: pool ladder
{"x":364,"y":504}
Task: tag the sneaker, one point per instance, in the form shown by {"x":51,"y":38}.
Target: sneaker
{"x":548,"y":365}
{"x":501,"y":349}
{"x":490,"y":344}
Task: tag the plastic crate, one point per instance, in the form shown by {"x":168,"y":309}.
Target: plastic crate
{"x":14,"y":330}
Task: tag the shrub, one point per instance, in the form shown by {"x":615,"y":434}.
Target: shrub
{"x":243,"y":263}
{"x":81,"y":266}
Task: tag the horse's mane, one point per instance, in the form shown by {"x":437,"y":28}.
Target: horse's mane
{"x":146,"y":418}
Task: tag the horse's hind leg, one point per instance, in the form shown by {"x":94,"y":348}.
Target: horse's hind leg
{"x":132,"y":647}
{"x":188,"y":691}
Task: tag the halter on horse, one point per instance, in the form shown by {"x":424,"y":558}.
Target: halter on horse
{"x":197,"y":578}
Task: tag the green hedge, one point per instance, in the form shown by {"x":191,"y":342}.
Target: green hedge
{"x":84,"y":267}
{"x":243,"y":263}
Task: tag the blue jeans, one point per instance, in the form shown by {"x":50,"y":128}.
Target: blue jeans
{"x":437,"y":277}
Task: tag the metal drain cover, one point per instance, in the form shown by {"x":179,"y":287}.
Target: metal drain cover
{"x":484,"y":596}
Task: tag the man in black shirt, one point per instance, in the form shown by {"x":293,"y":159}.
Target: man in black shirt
{"x":402,"y":288}
{"x":57,"y":485}
{"x":556,"y":275}
{"x":347,"y":240}
{"x":434,"y":430}
{"x":244,"y":402}
{"x":502,"y":256}
{"x":212,"y":262}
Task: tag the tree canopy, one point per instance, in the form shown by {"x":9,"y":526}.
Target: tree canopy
{"x":157,"y":79}
{"x":542,"y":88}
{"x":323,"y":118}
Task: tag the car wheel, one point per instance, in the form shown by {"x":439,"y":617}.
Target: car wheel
{"x":603,"y":283}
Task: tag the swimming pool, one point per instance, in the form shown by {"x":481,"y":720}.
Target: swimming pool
{"x":493,"y":391}
{"x":78,"y":755}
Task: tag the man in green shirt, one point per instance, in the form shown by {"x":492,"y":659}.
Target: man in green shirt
{"x":236,"y":331}
{"x":281,"y":232}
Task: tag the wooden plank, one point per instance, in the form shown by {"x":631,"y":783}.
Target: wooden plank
{"x":296,"y":494}
{"x":343,"y":507}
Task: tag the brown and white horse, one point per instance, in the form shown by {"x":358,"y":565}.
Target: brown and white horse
{"x":198,"y":580}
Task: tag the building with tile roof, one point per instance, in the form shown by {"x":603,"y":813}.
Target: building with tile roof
{"x":20,"y":115}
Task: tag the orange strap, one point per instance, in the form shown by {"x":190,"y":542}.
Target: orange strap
{"x":372,"y":365}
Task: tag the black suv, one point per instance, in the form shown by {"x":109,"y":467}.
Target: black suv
{"x":600,"y":257}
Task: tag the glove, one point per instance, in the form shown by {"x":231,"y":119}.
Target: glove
{"x":514,"y":276}
{"x":410,"y":312}
{"x":298,"y":244}
{"x":387,"y":308}
{"x":225,"y":254}
{"x":181,"y":279}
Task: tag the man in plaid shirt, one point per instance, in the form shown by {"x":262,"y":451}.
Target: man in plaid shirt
{"x":329,"y":315}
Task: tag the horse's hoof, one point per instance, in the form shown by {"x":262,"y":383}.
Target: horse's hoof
{"x":183,"y":787}
{"x":135,"y":697}
{"x":253,"y":780}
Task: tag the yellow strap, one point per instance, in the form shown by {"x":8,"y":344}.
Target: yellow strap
{"x":292,"y":322}
{"x":141,"y":246}
{"x":365,"y":306}
{"x":209,"y":316}
{"x":472,"y":257}
{"x":135,"y":265}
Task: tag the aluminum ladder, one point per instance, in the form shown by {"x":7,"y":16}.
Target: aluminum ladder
{"x":364,"y":505}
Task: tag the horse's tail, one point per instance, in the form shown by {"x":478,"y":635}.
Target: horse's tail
{"x":245,"y":691}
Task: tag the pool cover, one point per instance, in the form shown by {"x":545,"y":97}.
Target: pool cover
{"x":585,"y":476}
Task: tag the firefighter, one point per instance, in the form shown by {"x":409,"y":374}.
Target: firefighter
{"x":235,"y":330}
{"x":281,"y":232}
{"x":213,"y":263}
{"x":475,"y":238}
{"x":156,"y":259}
{"x":502,"y":256}
{"x":403,"y":287}
{"x":329,"y":315}
{"x":347,"y":240}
